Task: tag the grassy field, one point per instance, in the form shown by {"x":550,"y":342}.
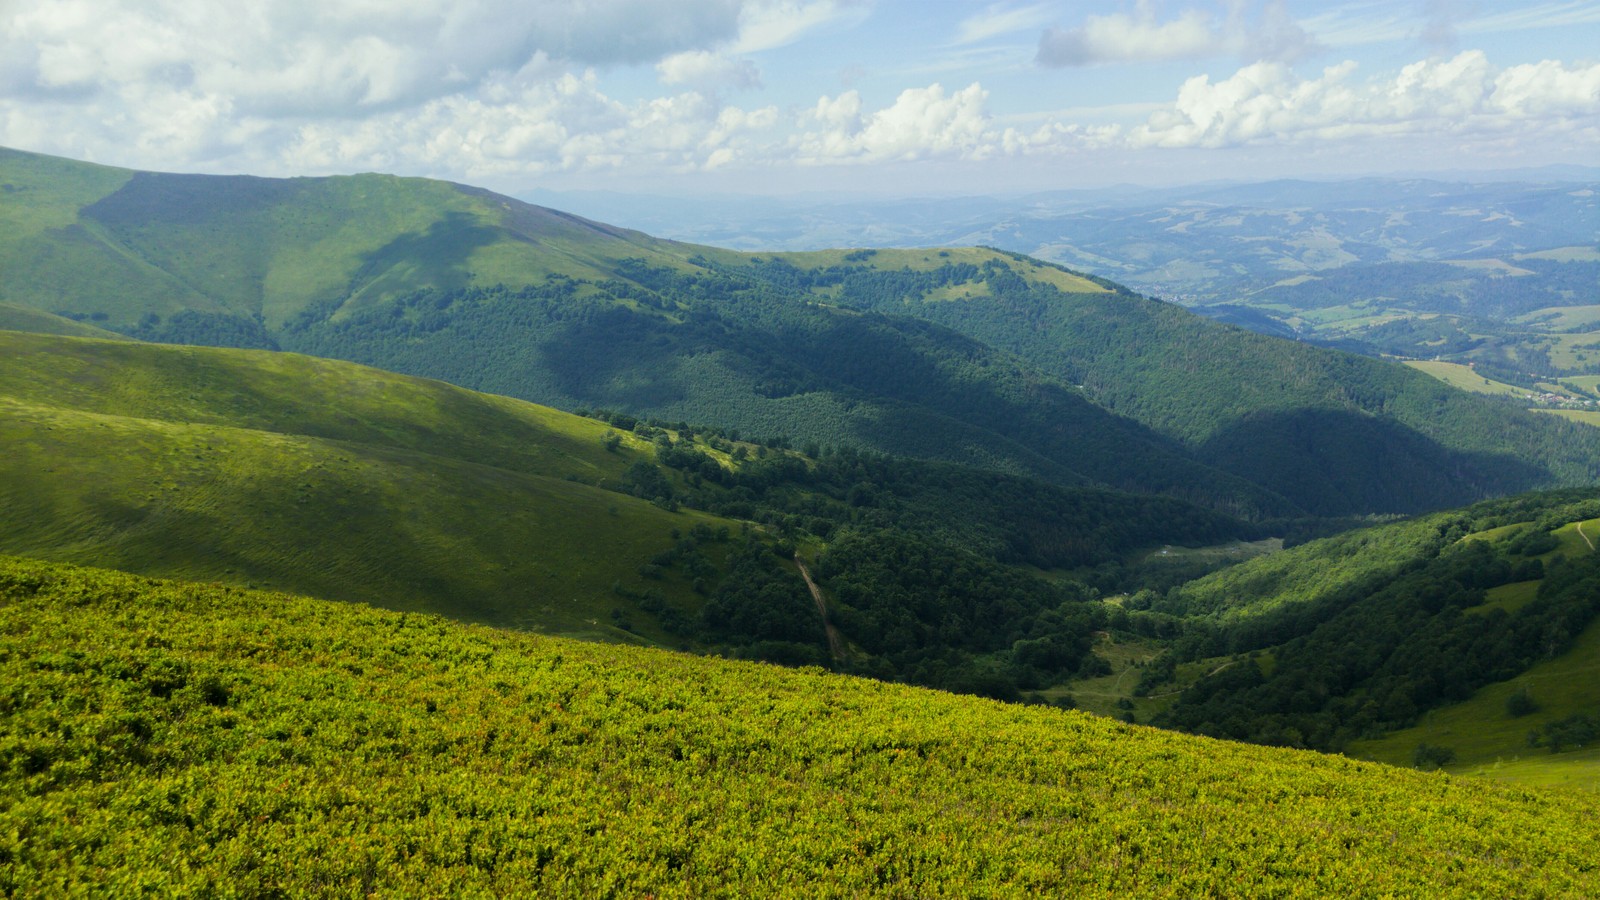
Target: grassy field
{"x":1586,"y":416}
{"x":1488,"y":741}
{"x":1112,"y":695}
{"x":927,"y":260}
{"x":329,"y":479}
{"x":1588,"y":384}
{"x":1463,"y":377}
{"x":1485,"y":738}
{"x":1561,"y":318}
{"x":177,"y":739}
{"x":21,"y":318}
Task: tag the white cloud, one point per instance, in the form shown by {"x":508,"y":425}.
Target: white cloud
{"x":312,"y":56}
{"x":335,"y":84}
{"x":921,"y":123}
{"x":564,"y":126}
{"x":999,"y":19}
{"x":708,"y":70}
{"x":1194,"y":34}
{"x":767,"y":24}
{"x":1463,"y":95}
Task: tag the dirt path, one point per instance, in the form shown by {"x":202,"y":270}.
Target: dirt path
{"x":1206,"y":675}
{"x":835,"y":645}
{"x":1585,"y":537}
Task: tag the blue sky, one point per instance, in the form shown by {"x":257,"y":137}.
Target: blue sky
{"x":779,"y":96}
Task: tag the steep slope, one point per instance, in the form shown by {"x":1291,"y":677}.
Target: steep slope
{"x":330,"y":478}
{"x":192,"y":739}
{"x":262,"y":250}
{"x":1017,"y":372}
{"x":1334,"y":432}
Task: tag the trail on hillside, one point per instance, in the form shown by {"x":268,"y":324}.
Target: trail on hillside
{"x":1580,"y":534}
{"x":835,"y":645}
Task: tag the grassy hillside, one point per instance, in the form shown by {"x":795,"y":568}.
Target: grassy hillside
{"x":329,"y":478}
{"x":176,"y":738}
{"x":263,"y":249}
{"x":22,"y":318}
{"x":324,"y":478}
{"x":1492,"y":733}
{"x":1017,"y":371}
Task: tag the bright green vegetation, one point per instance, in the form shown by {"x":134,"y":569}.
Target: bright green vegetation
{"x":323,"y":478}
{"x":971,"y":356}
{"x":1487,"y":739}
{"x":1369,"y":631}
{"x":1585,"y":416}
{"x":171,"y":738}
{"x":1463,"y":377}
{"x":256,"y":251}
{"x":332,"y":479}
{"x":20,"y":318}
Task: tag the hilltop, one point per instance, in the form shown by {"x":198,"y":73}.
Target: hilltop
{"x":174,"y":737}
{"x":972,"y":356}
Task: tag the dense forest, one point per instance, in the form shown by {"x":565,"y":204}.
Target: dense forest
{"x":726,"y":351}
{"x":1403,"y":627}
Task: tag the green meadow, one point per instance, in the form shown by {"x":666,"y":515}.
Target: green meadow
{"x":176,"y":739}
{"x":328,"y":479}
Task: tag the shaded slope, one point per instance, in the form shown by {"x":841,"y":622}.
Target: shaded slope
{"x":1334,"y":432}
{"x":404,"y":274}
{"x":724,"y":350}
{"x":205,"y":736}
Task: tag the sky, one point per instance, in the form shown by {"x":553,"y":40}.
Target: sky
{"x":775,"y":97}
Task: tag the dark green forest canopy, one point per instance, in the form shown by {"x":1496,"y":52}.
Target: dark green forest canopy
{"x":971,"y":356}
{"x":1366,"y":631}
{"x":353,"y":483}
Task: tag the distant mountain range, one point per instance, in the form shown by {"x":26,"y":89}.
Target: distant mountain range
{"x":958,"y":467}
{"x":973,"y":356}
{"x":1482,"y":268}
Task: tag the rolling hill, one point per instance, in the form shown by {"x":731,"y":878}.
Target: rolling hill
{"x":970,"y":356}
{"x":172,"y":737}
{"x":337,"y":480}
{"x":324,"y":478}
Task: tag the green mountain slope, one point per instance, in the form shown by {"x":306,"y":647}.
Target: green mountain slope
{"x":1334,"y":432}
{"x":1017,"y":371}
{"x":1333,"y":644}
{"x":264,"y":249}
{"x":324,"y":478}
{"x":22,"y":318}
{"x":178,"y":738}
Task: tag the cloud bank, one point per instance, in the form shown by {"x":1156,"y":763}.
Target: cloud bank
{"x":508,"y":93}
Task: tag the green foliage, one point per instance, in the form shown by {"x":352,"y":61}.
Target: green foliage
{"x":448,"y":282}
{"x":1372,"y":653}
{"x":944,"y":617}
{"x":1335,"y":433}
{"x":179,"y":739}
{"x":721,"y":349}
{"x":1571,"y":733}
{"x":1521,"y":703}
{"x":324,"y":478}
{"x":1429,"y":757}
